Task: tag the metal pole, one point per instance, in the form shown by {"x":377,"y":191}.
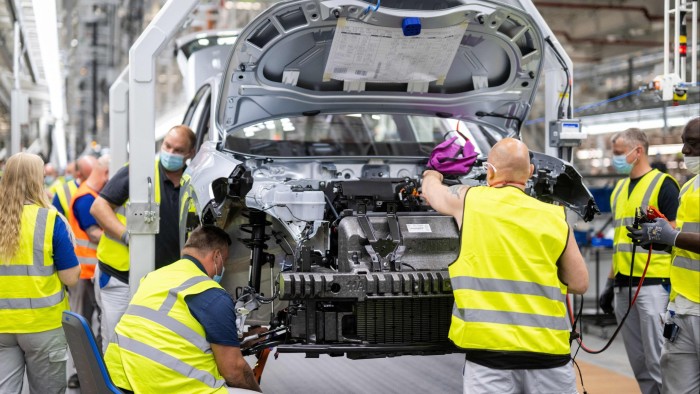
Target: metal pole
{"x":676,"y":38}
{"x":16,"y":97}
{"x":118,"y":121}
{"x":667,"y":25}
{"x":694,"y":44}
{"x":142,"y":213}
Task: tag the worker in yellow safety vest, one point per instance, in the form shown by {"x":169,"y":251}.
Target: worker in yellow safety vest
{"x":517,"y":260}
{"x":643,"y":187}
{"x":179,"y":332}
{"x":109,"y":209}
{"x":36,"y":262}
{"x":680,"y":359}
{"x":65,"y":189}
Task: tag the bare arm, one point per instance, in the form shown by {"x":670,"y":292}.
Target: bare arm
{"x":689,"y":241}
{"x":94,"y":233}
{"x":103,"y":211}
{"x":234,"y":368}
{"x":69,"y":276}
{"x":572,"y":268}
{"x":446,"y":200}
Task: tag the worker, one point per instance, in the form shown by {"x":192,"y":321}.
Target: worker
{"x":36,"y":261}
{"x":510,"y":281}
{"x":109,"y":210}
{"x":63,"y":194}
{"x":643,"y":187}
{"x":680,"y":357}
{"x":87,"y":235}
{"x":179,"y":332}
{"x":51,"y":179}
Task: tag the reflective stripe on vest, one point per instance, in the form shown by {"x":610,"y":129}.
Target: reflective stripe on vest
{"x":65,"y":193}
{"x":32,"y":297}
{"x":507,"y":293}
{"x":624,"y":205}
{"x":159,"y":341}
{"x":114,"y":252}
{"x":85,"y":250}
{"x":685,"y":267}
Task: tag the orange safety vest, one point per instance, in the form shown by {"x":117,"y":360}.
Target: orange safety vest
{"x":84,"y":249}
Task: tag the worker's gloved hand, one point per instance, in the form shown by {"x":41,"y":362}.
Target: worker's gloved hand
{"x":454,"y":156}
{"x":659,"y":231}
{"x":605,"y":301}
{"x":125,"y":237}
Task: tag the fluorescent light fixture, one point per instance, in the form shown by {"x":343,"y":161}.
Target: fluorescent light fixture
{"x":47,"y":32}
{"x":668,"y":149}
{"x":642,"y":119}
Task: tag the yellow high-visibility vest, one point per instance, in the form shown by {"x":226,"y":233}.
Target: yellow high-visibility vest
{"x":508,"y":296}
{"x":624,"y":205}
{"x":65,"y":192}
{"x":113,"y":252}
{"x":32,"y":298}
{"x":159,"y":346}
{"x":685,"y":267}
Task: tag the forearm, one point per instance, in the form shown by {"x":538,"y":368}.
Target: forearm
{"x":688,"y":241}
{"x":104,"y":214}
{"x":94,"y":233}
{"x":243,"y":377}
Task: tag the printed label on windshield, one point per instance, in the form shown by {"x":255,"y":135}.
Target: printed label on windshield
{"x":363,"y":52}
{"x":418,"y":228}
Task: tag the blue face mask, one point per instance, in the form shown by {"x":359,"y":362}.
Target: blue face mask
{"x":217,"y":277}
{"x":621,"y":165}
{"x":69,"y":178}
{"x":171,"y":161}
{"x":49,"y":180}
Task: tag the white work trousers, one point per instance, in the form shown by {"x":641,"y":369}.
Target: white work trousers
{"x":643,"y":333}
{"x":112,"y":300}
{"x":44,"y":354}
{"x":479,"y":379}
{"x":680,"y":359}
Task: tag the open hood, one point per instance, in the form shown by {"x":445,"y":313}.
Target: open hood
{"x":478,"y":61}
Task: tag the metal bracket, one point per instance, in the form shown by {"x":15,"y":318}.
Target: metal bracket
{"x":144,"y":217}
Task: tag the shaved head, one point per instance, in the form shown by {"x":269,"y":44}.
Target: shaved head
{"x":511,"y":159}
{"x":84,"y":166}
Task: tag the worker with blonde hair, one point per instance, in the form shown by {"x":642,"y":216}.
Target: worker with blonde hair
{"x":36,"y":261}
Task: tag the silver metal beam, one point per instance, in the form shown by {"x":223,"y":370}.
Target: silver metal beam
{"x":142,"y":213}
{"x":118,"y":121}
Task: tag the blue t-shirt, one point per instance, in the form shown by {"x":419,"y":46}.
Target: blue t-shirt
{"x":63,"y":252}
{"x":215,"y":311}
{"x":81,"y":211}
{"x":57,"y":204}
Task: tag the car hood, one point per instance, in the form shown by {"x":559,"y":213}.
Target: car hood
{"x":472,"y":60}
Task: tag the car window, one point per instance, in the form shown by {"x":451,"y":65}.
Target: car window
{"x":351,"y":135}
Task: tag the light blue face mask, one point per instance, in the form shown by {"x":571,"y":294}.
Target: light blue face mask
{"x":171,"y":161}
{"x":49,"y":180}
{"x":69,"y":178}
{"x":217,"y":277}
{"x":621,"y":165}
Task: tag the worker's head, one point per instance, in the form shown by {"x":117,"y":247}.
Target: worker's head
{"x":177,"y":147}
{"x":629,"y":149}
{"x":50,"y":174}
{"x":508,"y":162}
{"x":100,"y":172}
{"x":691,"y":145}
{"x":209,"y":245}
{"x":23,"y":179}
{"x":70,"y":173}
{"x":84,"y":167}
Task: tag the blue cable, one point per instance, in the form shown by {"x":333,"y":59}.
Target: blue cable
{"x":376,"y":7}
{"x":594,"y":105}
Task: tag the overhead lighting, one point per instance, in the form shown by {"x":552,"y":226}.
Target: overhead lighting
{"x":668,"y":149}
{"x":47,"y":33}
{"x":642,"y":119}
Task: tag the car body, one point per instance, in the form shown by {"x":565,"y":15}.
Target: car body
{"x":317,"y":178}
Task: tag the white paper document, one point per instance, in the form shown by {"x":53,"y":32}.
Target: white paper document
{"x":364,"y":52}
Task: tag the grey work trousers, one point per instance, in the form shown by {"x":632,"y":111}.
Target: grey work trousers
{"x":113,"y":299}
{"x":44,"y":356}
{"x":479,"y":379}
{"x":643,"y":333}
{"x":680,"y":360}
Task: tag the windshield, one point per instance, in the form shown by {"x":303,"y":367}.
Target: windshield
{"x":354,"y":135}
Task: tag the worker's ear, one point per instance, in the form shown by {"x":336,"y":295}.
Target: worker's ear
{"x":532,"y":170}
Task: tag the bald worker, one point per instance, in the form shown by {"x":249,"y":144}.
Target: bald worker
{"x":517,"y":261}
